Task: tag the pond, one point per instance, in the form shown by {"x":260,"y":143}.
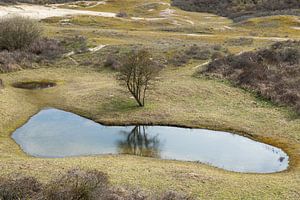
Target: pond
{"x":34,"y":85}
{"x":54,"y":133}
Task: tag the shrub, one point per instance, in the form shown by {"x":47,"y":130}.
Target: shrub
{"x":122,"y":14}
{"x":112,"y":62}
{"x":46,"y":48}
{"x":19,"y":188}
{"x":18,"y":33}
{"x":8,"y":62}
{"x":196,"y":52}
{"x":76,"y":184}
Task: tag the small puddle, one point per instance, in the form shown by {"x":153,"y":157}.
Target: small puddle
{"x":34,"y":85}
{"x":55,"y":133}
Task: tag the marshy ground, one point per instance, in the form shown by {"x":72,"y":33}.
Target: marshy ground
{"x":85,"y":87}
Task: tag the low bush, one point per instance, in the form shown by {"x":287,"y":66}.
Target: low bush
{"x":112,"y":62}
{"x":46,"y":48}
{"x":122,"y":14}
{"x":41,"y":51}
{"x":272,"y":72}
{"x":9,"y":61}
{"x":76,"y":184}
{"x":195,"y":52}
{"x":19,"y":188}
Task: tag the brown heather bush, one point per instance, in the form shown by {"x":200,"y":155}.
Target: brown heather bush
{"x":21,"y":188}
{"x":42,"y":50}
{"x":112,"y":62}
{"x":9,"y":61}
{"x":76,"y":184}
{"x":274,"y":73}
{"x":46,"y":48}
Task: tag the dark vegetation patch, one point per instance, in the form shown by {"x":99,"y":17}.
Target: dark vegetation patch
{"x":274,"y":72}
{"x":240,"y":10}
{"x":76,"y":185}
{"x":34,"y":85}
{"x":22,"y":45}
{"x":182,"y":56}
{"x":242,"y":41}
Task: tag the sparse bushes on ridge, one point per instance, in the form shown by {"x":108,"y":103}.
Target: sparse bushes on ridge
{"x":274,"y":73}
{"x":239,"y":10}
{"x":76,"y":184}
{"x":242,"y":41}
{"x":182,"y":57}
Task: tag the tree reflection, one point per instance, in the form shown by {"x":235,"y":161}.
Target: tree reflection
{"x":139,"y":143}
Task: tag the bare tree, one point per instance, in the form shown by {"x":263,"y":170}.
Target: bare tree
{"x":137,"y":72}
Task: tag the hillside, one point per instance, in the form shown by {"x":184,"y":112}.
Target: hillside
{"x":273,"y":72}
{"x":238,"y":10}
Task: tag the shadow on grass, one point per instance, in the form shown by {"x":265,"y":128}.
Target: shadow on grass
{"x":120,"y":105}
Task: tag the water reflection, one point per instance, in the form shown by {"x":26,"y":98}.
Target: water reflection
{"x":139,"y":143}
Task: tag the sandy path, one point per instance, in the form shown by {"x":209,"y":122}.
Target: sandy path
{"x":42,"y":12}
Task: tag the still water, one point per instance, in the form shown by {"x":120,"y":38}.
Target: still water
{"x":55,"y":133}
